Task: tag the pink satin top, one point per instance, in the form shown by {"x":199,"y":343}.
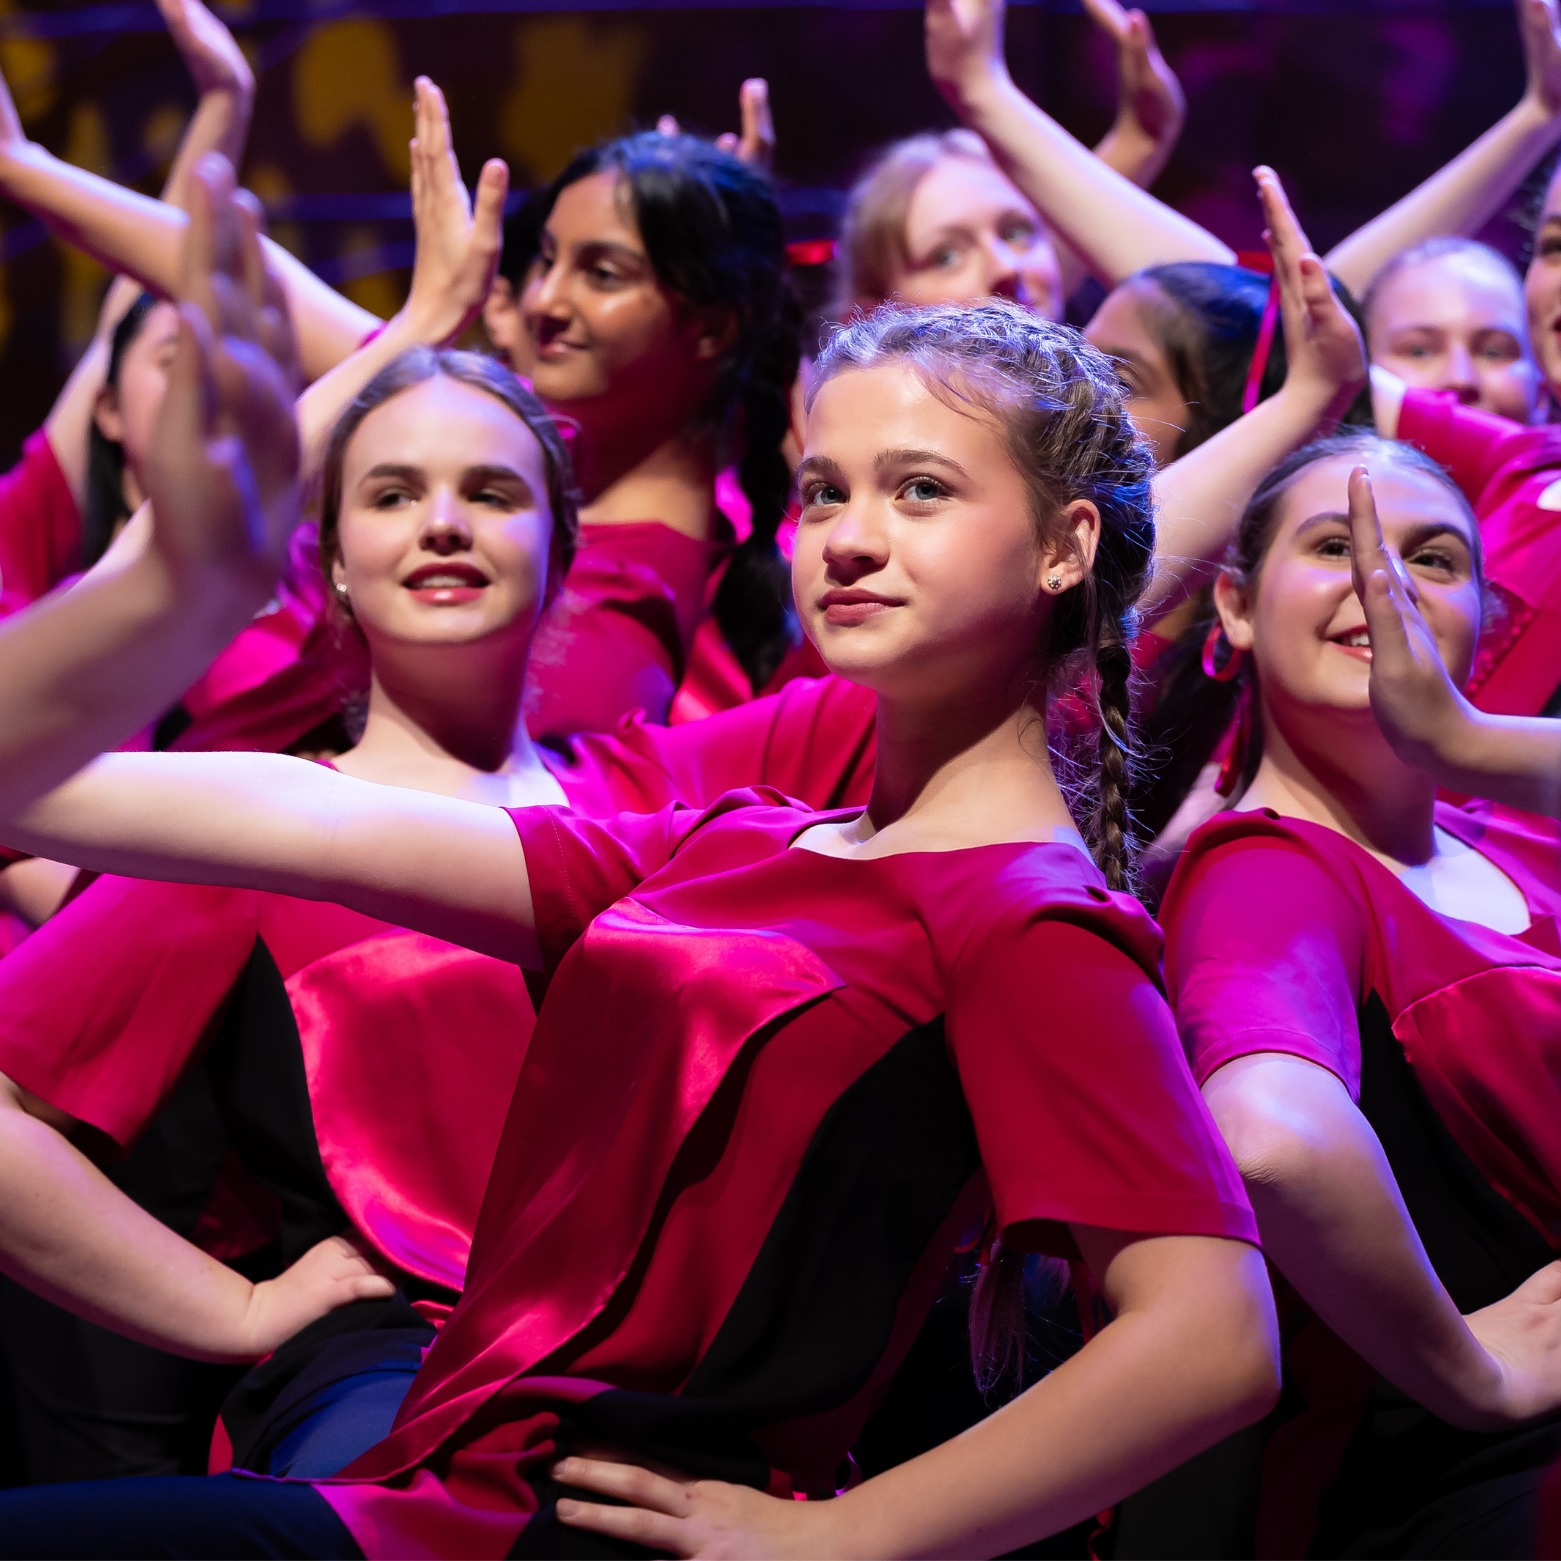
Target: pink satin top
{"x":767,"y":1094}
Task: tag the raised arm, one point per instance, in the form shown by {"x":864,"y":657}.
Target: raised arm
{"x":1471,"y":189}
{"x":144,"y":238}
{"x":458,"y":249}
{"x":1511,"y":759}
{"x":1334,"y":1223}
{"x":220,"y":123}
{"x":450,"y":868}
{"x":1116,"y":227}
{"x":1201,"y":496}
{"x":82,"y":670}
{"x":1151,"y":106}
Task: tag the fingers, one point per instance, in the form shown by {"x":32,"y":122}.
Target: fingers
{"x":209,"y":242}
{"x":757,"y":146}
{"x":1285,"y":237}
{"x":667,"y":126}
{"x":627,"y":1482}
{"x":488,"y":212}
{"x":1109,"y":17}
{"x":1368,"y":550}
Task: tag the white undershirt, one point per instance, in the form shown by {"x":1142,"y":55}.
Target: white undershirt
{"x":1459,"y":882}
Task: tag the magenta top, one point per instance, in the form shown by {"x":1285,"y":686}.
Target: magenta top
{"x":1507,"y":471}
{"x":396,"y":1037}
{"x":40,"y":527}
{"x":715,"y":1224}
{"x":1279,"y":933}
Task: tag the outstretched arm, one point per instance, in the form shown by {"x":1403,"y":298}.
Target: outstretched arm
{"x":1116,"y":227}
{"x":1511,"y":759}
{"x":1334,"y":1223}
{"x":453,"y":869}
{"x":458,"y":249}
{"x":1201,"y":496}
{"x":82,"y":670}
{"x":144,"y":238}
{"x":1471,"y":189}
{"x":226,"y":89}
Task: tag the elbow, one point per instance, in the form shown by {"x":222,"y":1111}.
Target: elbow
{"x":1248,"y":1374}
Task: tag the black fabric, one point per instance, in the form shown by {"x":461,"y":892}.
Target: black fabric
{"x":544,"y":1538}
{"x":209,"y":1515}
{"x":272,"y":1399}
{"x":1410,"y":1484}
{"x":256,"y":1067}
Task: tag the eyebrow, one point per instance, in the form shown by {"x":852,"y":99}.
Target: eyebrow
{"x":1413,"y":538}
{"x":485,"y":472}
{"x":890,"y":458}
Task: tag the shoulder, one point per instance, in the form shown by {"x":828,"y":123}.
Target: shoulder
{"x":994,"y":896}
{"x":1266,"y":847}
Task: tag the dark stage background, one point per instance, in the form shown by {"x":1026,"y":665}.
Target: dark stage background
{"x":1353,"y":103}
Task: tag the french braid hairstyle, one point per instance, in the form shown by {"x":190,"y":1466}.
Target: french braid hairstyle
{"x":1064,"y":419}
{"x":1062,"y":411}
{"x":714,"y":234}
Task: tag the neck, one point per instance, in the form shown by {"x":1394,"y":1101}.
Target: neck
{"x":634,"y":468}
{"x":962,"y":770}
{"x":1362,"y":790}
{"x":442,"y":717}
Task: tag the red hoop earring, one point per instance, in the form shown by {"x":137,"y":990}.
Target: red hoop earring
{"x":1232,"y":667}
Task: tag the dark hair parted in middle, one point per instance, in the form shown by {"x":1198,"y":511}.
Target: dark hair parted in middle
{"x":715,"y":238}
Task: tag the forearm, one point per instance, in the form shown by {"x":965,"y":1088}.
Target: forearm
{"x":1511,"y":759}
{"x":1135,"y":155}
{"x":87,"y":667}
{"x":453,"y":869}
{"x":1334,"y":1223}
{"x":1201,"y":496}
{"x":1157,"y":1385}
{"x":1116,"y":227}
{"x":68,"y":1233}
{"x":220,"y":123}
{"x":322,"y":404}
{"x":1459,"y":198}
{"x":144,"y":238}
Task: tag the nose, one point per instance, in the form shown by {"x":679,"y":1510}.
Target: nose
{"x":855,"y":544}
{"x":1460,"y":375}
{"x":446,"y":529}
{"x":544,"y":300}
{"x":1003,"y":279}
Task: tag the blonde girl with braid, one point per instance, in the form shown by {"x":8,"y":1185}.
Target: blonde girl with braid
{"x":787,"y":1061}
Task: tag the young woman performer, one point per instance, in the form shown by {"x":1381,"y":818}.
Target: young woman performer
{"x":976,"y":517}
{"x":1378,"y":1045}
{"x":1450,"y":315}
{"x":935,"y":220}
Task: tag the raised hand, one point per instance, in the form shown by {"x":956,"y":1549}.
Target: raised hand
{"x":458,"y":244}
{"x":1151,"y":106}
{"x":331,"y":1274}
{"x":964,"y":42}
{"x":1540,"y":28}
{"x":212,"y":56}
{"x":756,"y":145}
{"x":1414,"y":700}
{"x":222,"y":467}
{"x":1323,"y":344}
{"x":12,"y":137}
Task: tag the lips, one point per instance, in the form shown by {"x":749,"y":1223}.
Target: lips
{"x":1353,"y":642}
{"x":848,"y":608}
{"x":446,"y":583}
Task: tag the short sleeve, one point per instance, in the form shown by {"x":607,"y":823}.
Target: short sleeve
{"x":40,"y":527}
{"x":104,"y":1006}
{"x":1265,"y":952}
{"x":579,"y":866}
{"x":1083,"y":1105}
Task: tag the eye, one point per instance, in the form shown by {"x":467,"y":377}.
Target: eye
{"x":1500,"y":350}
{"x":923,"y":490}
{"x":818,"y":493}
{"x":1334,"y":547}
{"x":1441,"y":559}
{"x":944,"y":256}
{"x":1018,"y":235}
{"x":390,"y":498}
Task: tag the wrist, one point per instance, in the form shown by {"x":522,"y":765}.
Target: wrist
{"x":1532,"y":115}
{"x":1318,"y":404}
{"x":980,"y":93}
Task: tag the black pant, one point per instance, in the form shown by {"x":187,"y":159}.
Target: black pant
{"x":210,"y":1516}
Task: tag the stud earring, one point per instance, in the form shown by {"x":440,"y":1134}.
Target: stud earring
{"x":1054,"y":582}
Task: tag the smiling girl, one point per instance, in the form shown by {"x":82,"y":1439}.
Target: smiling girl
{"x":1378,"y":1042}
{"x":717,"y":1256}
